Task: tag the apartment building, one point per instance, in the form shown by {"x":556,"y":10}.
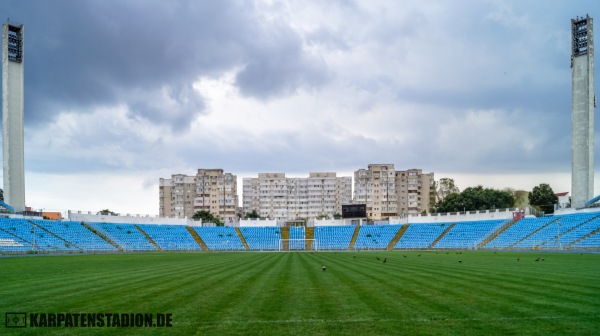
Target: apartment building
{"x":210,"y":189}
{"x":275,"y":196}
{"x":375,"y":187}
{"x":388,"y":192}
{"x":414,"y":189}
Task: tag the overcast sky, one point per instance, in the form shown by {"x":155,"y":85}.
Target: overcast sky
{"x":120,"y":93}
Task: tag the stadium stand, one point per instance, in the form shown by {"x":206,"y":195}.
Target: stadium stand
{"x":375,"y":237}
{"x":262,"y":238}
{"x":39,"y":238}
{"x":333,"y":237}
{"x":76,"y":234}
{"x":466,"y":235}
{"x":10,"y":243}
{"x":589,"y":242}
{"x":518,"y":231}
{"x":421,"y":236}
{"x":297,"y":232}
{"x":579,"y":231}
{"x":220,"y":238}
{"x":127,"y":236}
{"x":573,"y":229}
{"x":171,"y":237}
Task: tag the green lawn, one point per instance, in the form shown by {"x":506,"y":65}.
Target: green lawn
{"x":288,"y":294}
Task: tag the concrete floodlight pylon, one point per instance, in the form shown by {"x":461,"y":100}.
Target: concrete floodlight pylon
{"x":582,"y":117}
{"x":12,"y":115}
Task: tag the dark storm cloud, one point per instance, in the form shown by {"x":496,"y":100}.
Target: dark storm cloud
{"x":85,"y":54}
{"x":279,"y":66}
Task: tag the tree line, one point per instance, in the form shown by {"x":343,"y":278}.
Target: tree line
{"x":446,"y":197}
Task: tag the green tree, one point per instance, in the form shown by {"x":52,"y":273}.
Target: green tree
{"x":207,"y":217}
{"x":521,"y":197}
{"x":476,"y":198}
{"x":439,"y":191}
{"x":452,"y":202}
{"x":445,"y":187}
{"x":543,"y":198}
{"x":252,"y":215}
{"x":337,"y":216}
{"x":107,"y":212}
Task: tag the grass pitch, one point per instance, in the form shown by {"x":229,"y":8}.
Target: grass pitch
{"x":251,"y":293}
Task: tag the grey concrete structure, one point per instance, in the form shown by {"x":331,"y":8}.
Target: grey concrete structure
{"x":12,"y":116}
{"x":582,"y":64}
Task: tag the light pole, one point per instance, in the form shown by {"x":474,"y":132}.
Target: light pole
{"x":34,"y":238}
{"x":558,"y":234}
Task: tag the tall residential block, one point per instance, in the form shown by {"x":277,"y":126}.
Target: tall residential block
{"x":583,"y":104}
{"x":212,"y":190}
{"x":275,"y":196}
{"x":414,"y":190}
{"x":12,"y":116}
{"x":376,"y":188}
{"x":388,"y":192}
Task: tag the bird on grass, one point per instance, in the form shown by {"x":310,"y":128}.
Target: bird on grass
{"x":404,"y":255}
{"x":518,"y":259}
{"x":538,"y":259}
{"x":418,"y":255}
{"x":384,"y":260}
{"x":377,"y":258}
{"x":460,"y":261}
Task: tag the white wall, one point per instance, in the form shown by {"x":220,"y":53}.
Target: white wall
{"x":89,"y":217}
{"x":257,"y":222}
{"x":455,"y":217}
{"x":334,"y":222}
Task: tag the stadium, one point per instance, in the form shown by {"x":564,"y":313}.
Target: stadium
{"x":571,"y":232}
{"x":534,"y":275}
{"x":470,"y":273}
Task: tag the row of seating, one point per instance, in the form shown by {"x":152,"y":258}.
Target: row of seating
{"x":171,"y":237}
{"x":297,"y":234}
{"x":75,"y":233}
{"x":375,"y":237}
{"x":333,"y":237}
{"x":125,"y":235}
{"x":35,"y":236}
{"x":262,"y":238}
{"x":220,"y":238}
{"x":547,"y":232}
{"x":19,"y":235}
{"x":467,"y":235}
{"x":421,"y":236}
{"x":10,"y":243}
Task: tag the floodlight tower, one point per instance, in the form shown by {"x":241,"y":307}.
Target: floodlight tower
{"x":584,"y":101}
{"x":12,"y":115}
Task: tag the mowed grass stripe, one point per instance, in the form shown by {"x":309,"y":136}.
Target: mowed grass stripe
{"x":116,"y":291}
{"x":512,"y":280}
{"x":432,"y":280}
{"x":288,"y":294}
{"x":535,"y":285}
{"x":239,"y":282}
{"x":415,"y":293}
{"x":454,"y":298}
{"x":370,"y":278}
